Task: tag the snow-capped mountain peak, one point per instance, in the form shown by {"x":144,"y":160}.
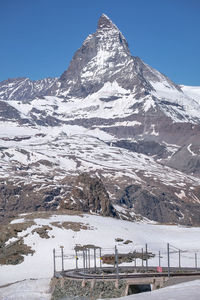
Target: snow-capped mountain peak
{"x":105,"y":22}
{"x":103,"y":57}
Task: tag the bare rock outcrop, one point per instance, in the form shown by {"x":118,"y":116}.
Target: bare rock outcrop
{"x":89,"y":195}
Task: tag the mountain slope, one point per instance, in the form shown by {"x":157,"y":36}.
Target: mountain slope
{"x":24,"y":88}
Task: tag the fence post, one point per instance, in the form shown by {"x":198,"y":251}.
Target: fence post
{"x":168,"y":260}
{"x":54,"y":263}
{"x":179,"y":258}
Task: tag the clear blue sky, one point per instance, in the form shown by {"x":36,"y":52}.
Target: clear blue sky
{"x":39,"y":37}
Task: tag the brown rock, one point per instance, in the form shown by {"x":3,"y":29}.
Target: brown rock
{"x":89,"y":194}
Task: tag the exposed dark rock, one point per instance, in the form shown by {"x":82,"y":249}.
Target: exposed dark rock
{"x":21,"y":197}
{"x":160,"y":206}
{"x":146,"y":147}
{"x":89,"y":194}
{"x":42,"y":231}
{"x":186,"y":161}
{"x":13,"y":253}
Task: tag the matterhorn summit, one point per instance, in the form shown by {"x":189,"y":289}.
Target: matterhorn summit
{"x":103,"y":57}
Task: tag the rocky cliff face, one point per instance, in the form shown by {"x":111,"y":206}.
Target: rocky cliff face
{"x":161,"y":205}
{"x":89,"y":195}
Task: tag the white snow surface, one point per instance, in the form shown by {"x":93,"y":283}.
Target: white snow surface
{"x":192,"y":91}
{"x":29,"y":289}
{"x":185,"y":106}
{"x":183,"y":291}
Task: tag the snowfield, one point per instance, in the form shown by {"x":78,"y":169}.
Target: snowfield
{"x":30,"y":289}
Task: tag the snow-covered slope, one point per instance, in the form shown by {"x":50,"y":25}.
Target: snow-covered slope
{"x":24,"y":88}
{"x":92,"y":229}
{"x":192,"y":91}
{"x":43,"y":161}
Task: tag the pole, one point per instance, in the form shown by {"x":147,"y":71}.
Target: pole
{"x":142,"y":257}
{"x":89,"y":258}
{"x":196,"y":260}
{"x":116,"y":259}
{"x":168,"y":260}
{"x":179,"y":258}
{"x":95,"y":264}
{"x":146,"y":257}
{"x":84,"y":262}
{"x":86,"y":258}
{"x":135,"y":262}
{"x":62,"y":257}
{"x":76,"y":256}
{"x":54,"y":263}
{"x":100,"y":258}
{"x":159,"y":259}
